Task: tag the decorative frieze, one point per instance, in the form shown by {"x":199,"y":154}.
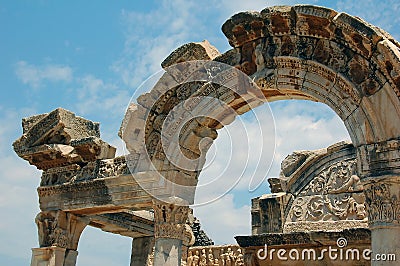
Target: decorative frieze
{"x":215,"y":256}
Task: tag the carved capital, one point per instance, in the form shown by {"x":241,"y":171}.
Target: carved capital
{"x":60,"y":229}
{"x":382,"y":199}
{"x":170,"y":220}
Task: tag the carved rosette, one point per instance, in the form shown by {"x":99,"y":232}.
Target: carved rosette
{"x":60,"y":229}
{"x":382,"y":199}
{"x":170,"y":221}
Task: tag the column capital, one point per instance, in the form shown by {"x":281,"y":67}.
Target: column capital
{"x":170,"y":220}
{"x":59,"y":229}
{"x":383,"y":201}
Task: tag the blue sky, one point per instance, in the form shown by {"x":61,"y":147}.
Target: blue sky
{"x":90,"y":56}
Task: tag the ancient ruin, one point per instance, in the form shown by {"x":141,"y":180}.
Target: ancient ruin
{"x":347,"y":191}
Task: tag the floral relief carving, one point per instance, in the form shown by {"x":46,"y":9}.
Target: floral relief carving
{"x":332,"y":195}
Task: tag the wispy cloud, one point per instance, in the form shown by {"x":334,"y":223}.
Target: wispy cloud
{"x":35,"y":75}
{"x":384,"y":14}
{"x":151,"y":37}
{"x":95,"y":95}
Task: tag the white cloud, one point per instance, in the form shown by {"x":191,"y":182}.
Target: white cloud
{"x":100,"y":248}
{"x":34,"y":75}
{"x":151,"y":37}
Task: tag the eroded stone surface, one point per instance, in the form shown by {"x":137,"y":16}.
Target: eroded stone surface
{"x":61,"y":139}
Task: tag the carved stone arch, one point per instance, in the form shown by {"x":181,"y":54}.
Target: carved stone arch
{"x":299,"y":52}
{"x":316,"y":53}
{"x":291,"y":52}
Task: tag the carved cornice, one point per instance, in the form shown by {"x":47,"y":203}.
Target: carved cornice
{"x":381,"y":158}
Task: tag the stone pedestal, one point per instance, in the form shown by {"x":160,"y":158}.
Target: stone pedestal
{"x":382,"y":198}
{"x":53,"y":256}
{"x":142,"y":251}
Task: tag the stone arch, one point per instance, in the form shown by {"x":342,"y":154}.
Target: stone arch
{"x":301,"y":52}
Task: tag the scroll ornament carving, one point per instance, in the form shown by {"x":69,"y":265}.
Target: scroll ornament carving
{"x":383,"y":203}
{"x":170,"y":222}
{"x":334,"y":194}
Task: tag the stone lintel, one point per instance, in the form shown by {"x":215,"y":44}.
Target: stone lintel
{"x":123,"y":223}
{"x":95,"y":196}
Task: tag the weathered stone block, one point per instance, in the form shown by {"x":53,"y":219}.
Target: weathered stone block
{"x":58,"y":127}
{"x":191,"y":51}
{"x":60,"y":138}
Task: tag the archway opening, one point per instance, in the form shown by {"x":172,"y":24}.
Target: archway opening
{"x":100,"y":248}
{"x":299,"y":124}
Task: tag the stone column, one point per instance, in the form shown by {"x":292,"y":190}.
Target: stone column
{"x":170,"y":230}
{"x":382,"y":198}
{"x":59,"y":234}
{"x":142,"y":251}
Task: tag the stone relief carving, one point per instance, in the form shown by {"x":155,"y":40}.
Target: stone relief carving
{"x":92,"y":170}
{"x":383,"y":203}
{"x":215,"y":256}
{"x":201,"y":237}
{"x":335,"y":194}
